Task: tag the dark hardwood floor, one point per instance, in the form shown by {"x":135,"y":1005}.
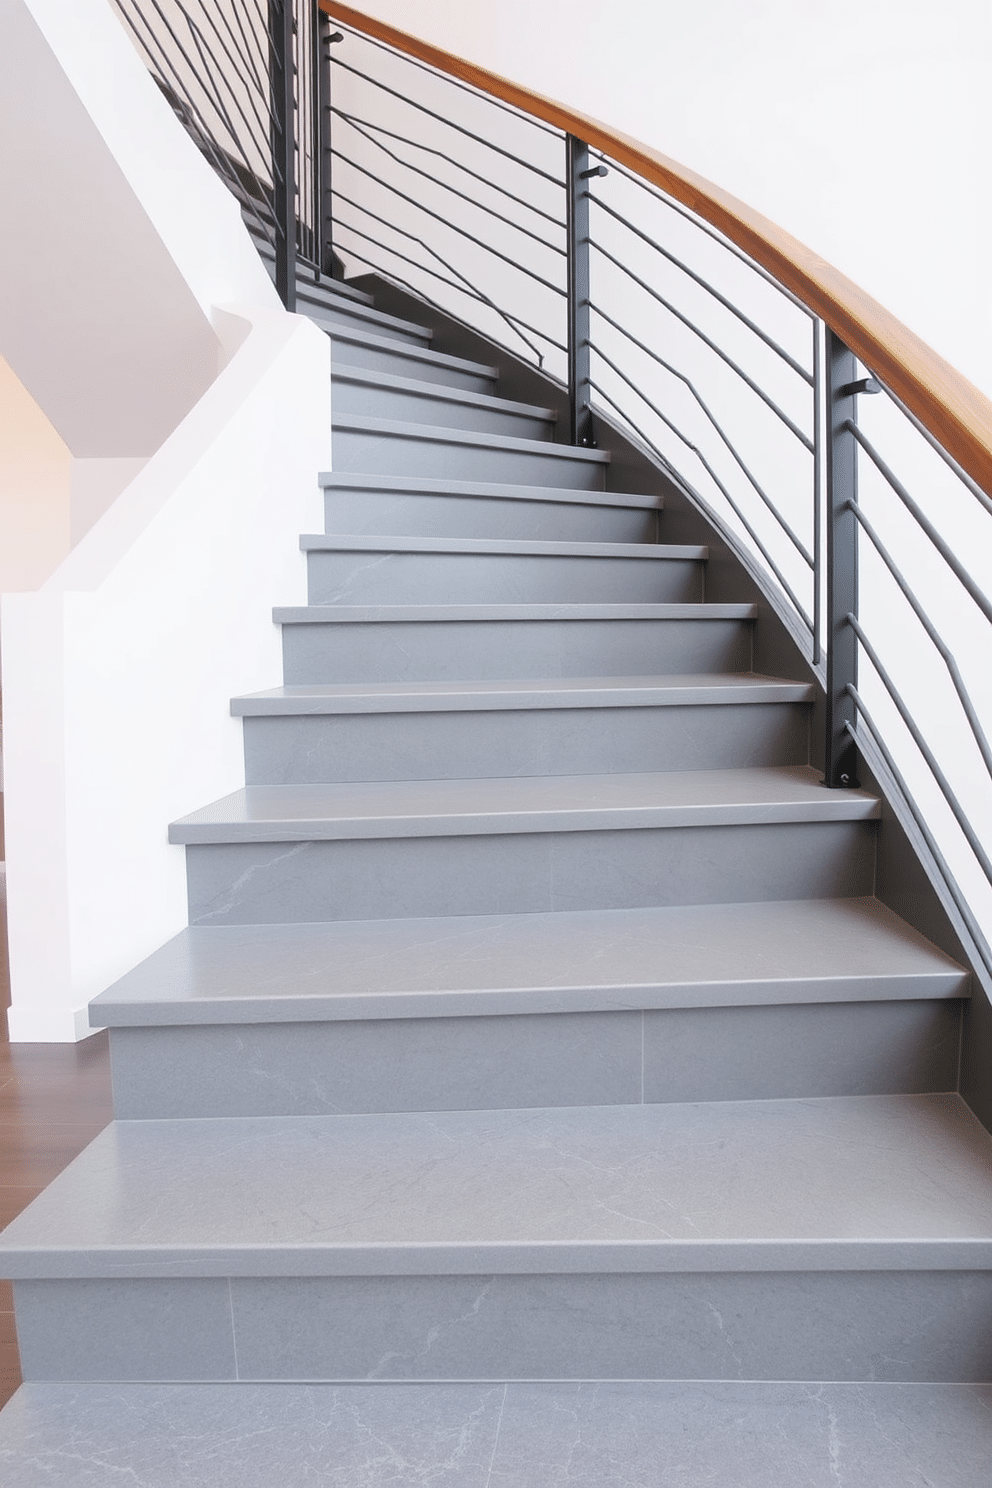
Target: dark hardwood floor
{"x":54,"y":1099}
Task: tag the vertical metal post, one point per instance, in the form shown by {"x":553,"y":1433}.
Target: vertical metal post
{"x":840,"y":755}
{"x":328,"y":38}
{"x":283,"y":146}
{"x":819,"y":331}
{"x":577,"y":224}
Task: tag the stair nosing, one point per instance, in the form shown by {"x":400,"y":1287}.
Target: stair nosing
{"x":447,"y":614}
{"x":481,"y":1258}
{"x":498,"y":546}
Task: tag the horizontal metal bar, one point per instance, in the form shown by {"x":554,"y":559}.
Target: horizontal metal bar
{"x":458,"y":164}
{"x":982,"y":497}
{"x":253,"y":92}
{"x":735,"y":508}
{"x":951,"y":883}
{"x":444,"y":77}
{"x":735,"y":310}
{"x":414,"y":289}
{"x":462,"y":232}
{"x":944,"y":651}
{"x":947,"y":790}
{"x":797,"y":542}
{"x":466,"y":285}
{"x":516,"y":320}
{"x":207,"y":83}
{"x":459,"y":128}
{"x":256,"y":61}
{"x":950,"y":558}
{"x":164,"y":66}
{"x":220,"y":161}
{"x":750,"y":564}
{"x":408,"y":165}
{"x":710,"y":231}
{"x":714,"y":347}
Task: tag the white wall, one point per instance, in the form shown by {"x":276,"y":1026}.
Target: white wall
{"x":148,"y":340}
{"x":35,"y":488}
{"x":864,"y":127}
{"x":118,"y":673}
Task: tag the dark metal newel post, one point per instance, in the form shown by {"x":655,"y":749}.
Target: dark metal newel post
{"x":577,"y":220}
{"x":327,"y":39}
{"x":840,"y":754}
{"x":283,"y":146}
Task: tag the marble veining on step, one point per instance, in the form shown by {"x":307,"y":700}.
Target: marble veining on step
{"x":587,"y":1434}
{"x":730,"y":1185}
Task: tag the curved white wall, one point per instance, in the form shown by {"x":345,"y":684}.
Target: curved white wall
{"x":864,"y":127}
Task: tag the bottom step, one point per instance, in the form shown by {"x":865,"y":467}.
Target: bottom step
{"x":585,"y":1434}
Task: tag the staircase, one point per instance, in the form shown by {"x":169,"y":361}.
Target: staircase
{"x":539,"y":1094}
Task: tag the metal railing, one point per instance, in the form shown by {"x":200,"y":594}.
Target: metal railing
{"x":658,"y":327}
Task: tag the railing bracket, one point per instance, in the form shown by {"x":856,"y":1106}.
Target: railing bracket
{"x":863,"y":385}
{"x":594,"y":170}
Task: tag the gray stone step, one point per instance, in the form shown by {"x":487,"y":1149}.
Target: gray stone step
{"x":843,"y":1238}
{"x":270,"y":854}
{"x":329,"y":292}
{"x":589,"y":725}
{"x":306,"y":287}
{"x":498,"y":1435}
{"x":391,"y":643}
{"x":473,"y":570}
{"x":383,"y":395}
{"x":341,"y":311}
{"x":393,"y":447}
{"x":395,"y":505}
{"x":712,"y":1002}
{"x":556,"y":803}
{"x":355,"y":348}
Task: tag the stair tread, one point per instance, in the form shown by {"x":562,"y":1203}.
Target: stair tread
{"x":555,"y":803}
{"x":573,"y":692}
{"x":386,"y":323}
{"x":500,"y":490}
{"x":308,"y":289}
{"x":745,"y":1434}
{"x":437,"y":434}
{"x":329,"y":614}
{"x":321,"y":542}
{"x":437,"y":392}
{"x":713,"y":955}
{"x":350,"y":336}
{"x":304,"y":277}
{"x":836,"y":1183}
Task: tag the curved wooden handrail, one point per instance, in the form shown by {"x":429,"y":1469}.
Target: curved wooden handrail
{"x":957,"y":414}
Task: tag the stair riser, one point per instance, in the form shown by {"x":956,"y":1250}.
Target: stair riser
{"x":375,"y":513}
{"x":378,"y":453}
{"x":555,"y":1059}
{"x":432,"y":407}
{"x":392,"y":361}
{"x":525,"y":872}
{"x":800,"y":1325}
{"x":492,"y":578}
{"x":532,"y":741}
{"x":341,"y":314}
{"x":486,"y":650}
